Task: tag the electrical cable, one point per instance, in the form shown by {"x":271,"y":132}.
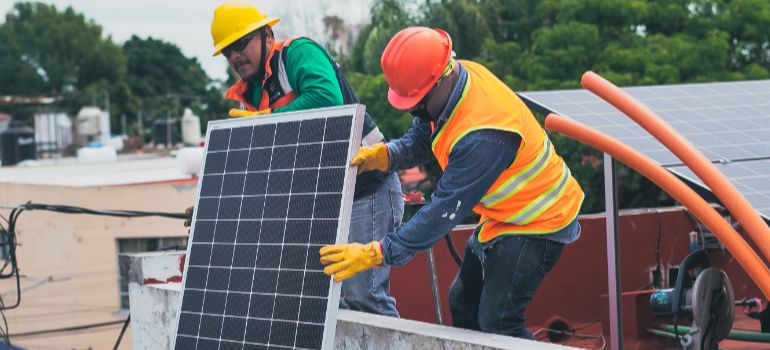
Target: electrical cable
{"x":122,"y":331}
{"x":4,"y":329}
{"x":657,"y":281}
{"x":450,"y":243}
{"x":571,"y":334}
{"x":67,"y":329}
{"x":67,"y":209}
{"x":8,"y":241}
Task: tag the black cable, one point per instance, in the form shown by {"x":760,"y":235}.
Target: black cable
{"x":122,"y":331}
{"x":4,"y":331}
{"x":657,"y":280}
{"x":67,"y":329}
{"x":9,"y":239}
{"x":452,"y":249}
{"x":67,"y":209}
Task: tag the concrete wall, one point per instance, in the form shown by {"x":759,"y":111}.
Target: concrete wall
{"x":154,"y":308}
{"x":70,"y":261}
{"x":358,"y":330}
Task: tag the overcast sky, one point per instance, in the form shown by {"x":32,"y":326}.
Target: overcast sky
{"x":187,"y":23}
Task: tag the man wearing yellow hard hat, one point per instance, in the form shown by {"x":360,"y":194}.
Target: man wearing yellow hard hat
{"x":298,"y":74}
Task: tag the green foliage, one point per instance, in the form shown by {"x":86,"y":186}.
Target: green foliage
{"x":388,"y":17}
{"x":63,"y":48}
{"x":370,"y":90}
{"x":548,"y":44}
{"x":45,"y":51}
{"x":163,"y":79}
{"x":465,"y":22}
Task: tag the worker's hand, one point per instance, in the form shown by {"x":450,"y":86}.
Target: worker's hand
{"x":189,"y":212}
{"x":371,"y":158}
{"x":344,"y":261}
{"x":235,"y":112}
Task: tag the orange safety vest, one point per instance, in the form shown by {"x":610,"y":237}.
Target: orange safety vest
{"x":283,"y":93}
{"x":536,"y":194}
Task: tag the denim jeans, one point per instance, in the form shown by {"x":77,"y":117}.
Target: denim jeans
{"x":497,"y":280}
{"x":373,"y":217}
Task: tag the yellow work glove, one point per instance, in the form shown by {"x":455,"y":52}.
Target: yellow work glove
{"x":371,"y":158}
{"x":235,"y":112}
{"x":344,"y":261}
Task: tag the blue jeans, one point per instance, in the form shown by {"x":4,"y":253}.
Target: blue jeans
{"x":373,"y":217}
{"x":497,"y":280}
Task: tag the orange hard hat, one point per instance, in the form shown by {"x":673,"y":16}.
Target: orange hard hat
{"x":413,"y":61}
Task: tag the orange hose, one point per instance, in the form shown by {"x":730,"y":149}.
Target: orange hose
{"x":746,"y":257}
{"x":735,"y":202}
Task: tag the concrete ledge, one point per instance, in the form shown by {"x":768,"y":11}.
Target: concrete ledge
{"x":152,"y":267}
{"x":154,"y":297}
{"x":358,"y":330}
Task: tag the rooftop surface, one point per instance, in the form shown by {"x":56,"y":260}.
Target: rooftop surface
{"x":70,"y":173}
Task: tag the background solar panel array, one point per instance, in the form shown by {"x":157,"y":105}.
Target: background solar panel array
{"x":728,"y":122}
{"x":270,"y":197}
{"x":748,"y":177}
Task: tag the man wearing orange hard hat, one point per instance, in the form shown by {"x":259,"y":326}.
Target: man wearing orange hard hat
{"x":299,"y":74}
{"x":497,"y":162}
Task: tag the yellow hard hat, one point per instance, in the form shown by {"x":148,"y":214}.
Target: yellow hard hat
{"x":234,"y":19}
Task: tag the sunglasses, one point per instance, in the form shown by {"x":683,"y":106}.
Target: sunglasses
{"x":239,"y":44}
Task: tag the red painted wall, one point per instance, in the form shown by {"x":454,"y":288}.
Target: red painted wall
{"x":573,"y":289}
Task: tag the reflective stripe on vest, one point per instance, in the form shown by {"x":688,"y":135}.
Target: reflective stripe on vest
{"x":542,"y":202}
{"x":536,"y":194}
{"x":516,"y":182}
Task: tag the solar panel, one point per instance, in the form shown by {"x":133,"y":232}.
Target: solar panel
{"x":273,"y":190}
{"x":726,"y":121}
{"x":750,"y":178}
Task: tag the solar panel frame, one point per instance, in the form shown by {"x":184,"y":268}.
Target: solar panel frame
{"x":343,"y":219}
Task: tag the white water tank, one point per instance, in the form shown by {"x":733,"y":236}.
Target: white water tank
{"x":188,"y":160}
{"x":191,"y":128}
{"x":88,"y":120}
{"x":88,"y":125}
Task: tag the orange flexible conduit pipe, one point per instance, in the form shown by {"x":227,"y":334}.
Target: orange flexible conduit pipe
{"x":735,"y":202}
{"x":746,"y":257}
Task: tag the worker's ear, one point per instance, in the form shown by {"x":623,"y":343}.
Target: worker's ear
{"x":268,"y":36}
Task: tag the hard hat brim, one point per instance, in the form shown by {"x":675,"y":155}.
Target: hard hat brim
{"x":405,"y":102}
{"x":237,"y":35}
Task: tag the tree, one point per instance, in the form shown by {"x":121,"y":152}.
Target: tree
{"x":371,"y":91}
{"x":388,"y":17}
{"x":67,"y":51}
{"x":48,"y":52}
{"x":160,"y":75}
{"x":465,"y":22}
{"x":45,"y":51}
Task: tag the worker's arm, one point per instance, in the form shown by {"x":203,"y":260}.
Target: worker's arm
{"x":413,"y":148}
{"x":311,"y":74}
{"x":475,"y":163}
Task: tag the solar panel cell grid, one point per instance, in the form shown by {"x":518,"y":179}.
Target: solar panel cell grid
{"x":271,"y":195}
